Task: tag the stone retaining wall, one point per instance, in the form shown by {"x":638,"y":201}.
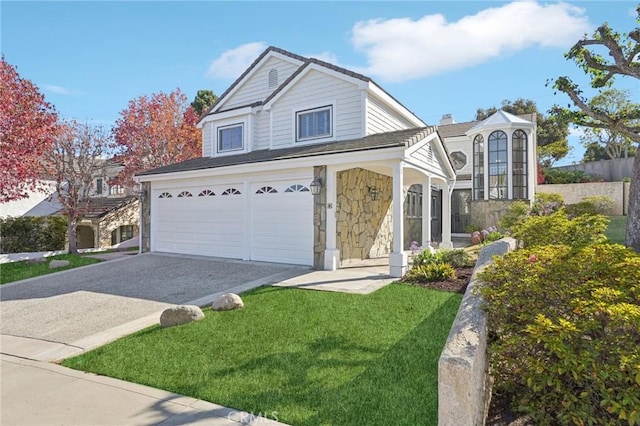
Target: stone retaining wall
{"x":463,"y":378}
{"x":574,"y":193}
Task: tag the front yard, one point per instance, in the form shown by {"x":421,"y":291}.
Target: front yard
{"x":16,"y":271}
{"x":301,"y":357}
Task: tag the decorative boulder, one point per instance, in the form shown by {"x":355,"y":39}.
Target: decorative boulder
{"x":227,"y":302}
{"x":182,"y":314}
{"x":37,"y":260}
{"x":58,"y":264}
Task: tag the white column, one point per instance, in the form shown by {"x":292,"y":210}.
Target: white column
{"x":426,"y":211}
{"x":331,"y":252}
{"x":398,"y":258}
{"x":446,"y":217}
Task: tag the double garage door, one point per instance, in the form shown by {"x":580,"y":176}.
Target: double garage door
{"x":265,"y":221}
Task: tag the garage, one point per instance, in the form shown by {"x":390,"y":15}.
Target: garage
{"x":266,"y":220}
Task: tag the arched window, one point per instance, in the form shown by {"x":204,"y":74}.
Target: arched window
{"x":185,"y":194}
{"x":267,"y":190}
{"x":273,"y":78}
{"x":519,"y":163}
{"x":498,"y":177}
{"x":478,"y":168}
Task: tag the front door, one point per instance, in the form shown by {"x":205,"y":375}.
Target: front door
{"x":436,"y":215}
{"x":460,"y":210}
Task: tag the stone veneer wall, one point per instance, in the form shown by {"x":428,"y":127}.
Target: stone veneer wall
{"x":127,"y":216}
{"x":320,"y":219}
{"x":364,"y":226}
{"x":488,"y":213}
{"x":145,"y":226}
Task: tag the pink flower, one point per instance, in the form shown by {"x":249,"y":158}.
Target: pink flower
{"x":532,"y":258}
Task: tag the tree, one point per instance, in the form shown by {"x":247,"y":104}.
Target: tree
{"x":28,"y":126}
{"x":203,"y":101}
{"x":156,"y":131}
{"x":614,"y":144}
{"x":622,"y":62}
{"x":76,"y":158}
{"x":551,"y":135}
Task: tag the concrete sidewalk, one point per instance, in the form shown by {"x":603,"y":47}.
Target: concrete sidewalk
{"x":39,"y":393}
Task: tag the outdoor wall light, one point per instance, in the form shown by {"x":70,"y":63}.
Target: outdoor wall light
{"x":373,"y":191}
{"x":315,"y":186}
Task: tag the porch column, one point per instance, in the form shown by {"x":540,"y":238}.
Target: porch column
{"x":398,"y":258}
{"x":446,"y":218}
{"x":426,"y":211}
{"x":331,"y":252}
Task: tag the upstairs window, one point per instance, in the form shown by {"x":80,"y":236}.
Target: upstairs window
{"x":314,"y":123}
{"x":231,"y":138}
{"x":478,"y":168}
{"x":498,"y":165}
{"x":519,"y":161}
{"x":99,"y":186}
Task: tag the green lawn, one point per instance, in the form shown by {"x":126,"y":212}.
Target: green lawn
{"x":15,"y":271}
{"x":307,"y":357}
{"x":616,"y":231}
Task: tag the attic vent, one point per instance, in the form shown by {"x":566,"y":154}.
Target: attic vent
{"x":273,"y":78}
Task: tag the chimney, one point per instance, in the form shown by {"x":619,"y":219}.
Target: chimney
{"x":447,"y":119}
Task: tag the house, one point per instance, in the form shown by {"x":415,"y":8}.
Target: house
{"x":111,"y":213}
{"x":308,"y":163}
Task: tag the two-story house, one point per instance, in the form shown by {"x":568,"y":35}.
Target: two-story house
{"x":308,"y":163}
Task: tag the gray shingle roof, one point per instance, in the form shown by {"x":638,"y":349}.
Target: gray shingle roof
{"x":398,"y":138}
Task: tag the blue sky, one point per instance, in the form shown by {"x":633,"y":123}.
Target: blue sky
{"x":91,"y":58}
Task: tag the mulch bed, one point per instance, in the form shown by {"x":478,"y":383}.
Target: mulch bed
{"x":455,"y":285}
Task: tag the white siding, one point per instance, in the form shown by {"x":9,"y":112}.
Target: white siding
{"x":261,"y":135}
{"x":317,"y":89}
{"x":206,"y":140}
{"x":381,"y":118}
{"x":464,"y":145}
{"x":429,"y":156}
{"x":256,"y":88}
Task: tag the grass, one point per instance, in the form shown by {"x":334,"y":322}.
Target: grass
{"x":616,"y":231}
{"x":301,"y":357}
{"x":16,"y":271}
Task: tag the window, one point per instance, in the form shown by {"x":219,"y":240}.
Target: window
{"x":498,"y":165}
{"x":266,"y":190}
{"x":314,"y":123}
{"x":165,"y":195}
{"x":230,"y":138}
{"x":185,"y":194}
{"x":297,"y":188}
{"x":519,"y":162}
{"x":231,"y":191}
{"x":99,"y":186}
{"x":206,"y":193}
{"x":123,"y":233}
{"x":478,"y":168}
{"x":116,"y":189}
{"x":414,"y":204}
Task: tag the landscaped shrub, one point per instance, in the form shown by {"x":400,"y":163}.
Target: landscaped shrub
{"x":564,"y":327}
{"x":435,"y":271}
{"x":28,"y":234}
{"x":552,"y":176}
{"x":558,"y":228}
{"x":517,"y":211}
{"x":457,"y":258}
{"x":426,"y":256}
{"x":546,"y":203}
{"x":492,"y":236}
{"x":597,"y":204}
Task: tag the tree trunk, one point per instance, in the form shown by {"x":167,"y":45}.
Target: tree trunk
{"x":71,"y":235}
{"x":633,"y":214}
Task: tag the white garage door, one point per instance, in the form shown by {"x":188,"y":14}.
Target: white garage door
{"x":272,"y":223}
{"x":206,"y":222}
{"x":282,"y":223}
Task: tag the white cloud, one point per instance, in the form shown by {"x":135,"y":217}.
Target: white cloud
{"x":56,"y":90}
{"x":234,"y":62}
{"x":403,"y":49}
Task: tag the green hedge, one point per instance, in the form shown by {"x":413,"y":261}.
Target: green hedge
{"x":28,"y":234}
{"x":564,"y":332}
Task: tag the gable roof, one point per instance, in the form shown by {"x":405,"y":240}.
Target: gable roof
{"x":305,"y":64}
{"x":400,"y":138}
{"x":461,"y":129}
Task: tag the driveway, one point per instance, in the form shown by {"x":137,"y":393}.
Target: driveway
{"x":88,"y":306}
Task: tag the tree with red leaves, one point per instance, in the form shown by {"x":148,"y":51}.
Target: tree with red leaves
{"x":28,"y":126}
{"x":156,"y":131}
{"x":76,"y":158}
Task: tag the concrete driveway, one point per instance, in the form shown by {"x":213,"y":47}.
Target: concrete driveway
{"x":55,"y":316}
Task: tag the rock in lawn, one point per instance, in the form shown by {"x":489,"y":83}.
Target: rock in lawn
{"x":58,"y":264}
{"x":227,"y":302}
{"x":181,"y":314}
{"x":37,"y":260}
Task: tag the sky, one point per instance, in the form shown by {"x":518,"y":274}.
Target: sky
{"x":91,"y":58}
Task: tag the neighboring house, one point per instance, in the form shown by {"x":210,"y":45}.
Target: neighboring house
{"x":40,"y":202}
{"x":308,"y":163}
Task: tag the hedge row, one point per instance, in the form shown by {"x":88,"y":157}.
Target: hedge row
{"x":28,"y":234}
